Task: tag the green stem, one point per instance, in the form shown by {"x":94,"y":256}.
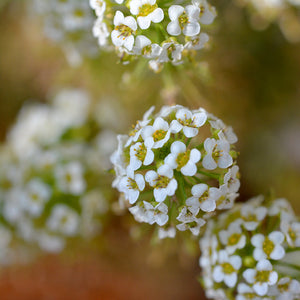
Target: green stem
{"x":181,"y":192}
{"x":212,"y":175}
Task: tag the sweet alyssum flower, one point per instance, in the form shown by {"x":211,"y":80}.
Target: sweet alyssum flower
{"x":157,"y":31}
{"x":243,"y":259}
{"x":160,"y":168}
{"x":68,"y":24}
{"x":51,"y":173}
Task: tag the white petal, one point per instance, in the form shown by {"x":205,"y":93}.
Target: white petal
{"x":172,"y":187}
{"x":141,"y":41}
{"x":277,"y":253}
{"x":264,"y":265}
{"x":190,"y":131}
{"x":149,"y":157}
{"x":199,"y":189}
{"x":150,"y":177}
{"x":259,"y":254}
{"x":208,"y":205}
{"x":128,"y":43}
{"x":160,"y":123}
{"x":165,"y":170}
{"x":175,"y":126}
{"x":209,"y":145}
{"x":115,"y":38}
{"x":218,"y":274}
{"x":139,"y":179}
{"x":276,"y":237}
{"x":191,"y":29}
{"x":171,"y":161}
{"x":178,"y":147}
{"x":200,"y":119}
{"x":230,"y":280}
{"x":133,"y":195}
{"x":225,"y":160}
{"x":157,"y":15}
{"x":118,"y":18}
{"x":249,"y":275}
{"x":261,"y":289}
{"x":189,"y":169}
{"x":195,"y":155}
{"x":173,"y":28}
{"x":160,"y":194}
{"x":130,"y":22}
{"x":257,"y":240}
{"x":208,"y":162}
{"x":161,"y":219}
{"x":144,"y":22}
{"x":273,"y":277}
{"x":175,"y":11}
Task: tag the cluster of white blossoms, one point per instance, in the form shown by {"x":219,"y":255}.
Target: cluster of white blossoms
{"x":247,"y":251}
{"x":176,"y":168}
{"x":160,"y":32}
{"x":52,"y":180}
{"x":68,"y":23}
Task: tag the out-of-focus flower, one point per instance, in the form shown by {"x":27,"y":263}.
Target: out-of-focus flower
{"x":250,"y":257}
{"x":157,"y":31}
{"x":160,"y":167}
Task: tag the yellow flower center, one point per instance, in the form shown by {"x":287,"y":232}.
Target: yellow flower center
{"x":35,"y":197}
{"x":182,"y":159}
{"x":159,"y":135}
{"x":183,"y":20}
{"x":268,"y":246}
{"x":187,"y":122}
{"x":292,"y":234}
{"x":125,"y":31}
{"x":162,"y":182}
{"x":227,"y":268}
{"x":141,"y":152}
{"x":234,"y":238}
{"x":132,"y":184}
{"x":284,"y":287}
{"x":146,"y":9}
{"x":262,"y":276}
{"x":147,"y":50}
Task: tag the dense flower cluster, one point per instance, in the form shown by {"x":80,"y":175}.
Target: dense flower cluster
{"x":245,"y":253}
{"x":68,"y":23}
{"x":160,"y":31}
{"x":52,"y":181}
{"x":176,"y":168}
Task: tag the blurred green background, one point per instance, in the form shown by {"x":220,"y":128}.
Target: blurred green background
{"x":250,"y":79}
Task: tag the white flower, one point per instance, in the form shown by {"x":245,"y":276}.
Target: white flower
{"x":268,"y":247}
{"x":224,"y":130}
{"x":147,"y":11}
{"x":125,"y":27}
{"x":12,"y":205}
{"x":231,"y":179}
{"x":285,"y":289}
{"x":197,"y":42}
{"x":188,"y":122}
{"x":139,"y":155}
{"x":156,"y":214}
{"x":207,"y":12}
{"x":143,"y":46}
{"x":203,"y":198}
{"x":37,"y":194}
{"x":233,"y":238}
{"x":217,"y":154}
{"x":189,"y":221}
{"x":132,"y":186}
{"x":99,"y":6}
{"x":227,"y":268}
{"x":69,"y":178}
{"x":283,"y":208}
{"x":182,"y":159}
{"x":163,"y":182}
{"x":171,"y":51}
{"x":166,"y":233}
{"x":183,"y":19}
{"x":136,"y":132}
{"x":157,"y":135}
{"x":252,"y":216}
{"x":261,"y":277}
{"x":292,"y":232}
{"x":246,"y":292}
{"x":64,"y":220}
{"x":101,"y":32}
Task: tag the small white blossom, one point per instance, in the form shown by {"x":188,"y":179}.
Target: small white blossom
{"x":227,"y":268}
{"x":292,"y":232}
{"x":203,"y":198}
{"x":64,"y":220}
{"x":183,"y":19}
{"x":162,"y":181}
{"x":188,"y":122}
{"x":182,"y":159}
{"x":143,"y":46}
{"x":50,"y":243}
{"x":147,"y":11}
{"x":246,"y":292}
{"x":101,"y":32}
{"x":123,"y":34}
{"x":139,"y":155}
{"x":132,"y":186}
{"x":99,"y":6}
{"x":197,"y":42}
{"x":231,"y":179}
{"x":166,"y":233}
{"x":261,"y":277}
{"x":252,"y":216}
{"x":232,"y":238}
{"x":171,"y":51}
{"x":157,"y":135}
{"x":217,"y":154}
{"x":70,"y":179}
{"x":268,"y":246}
{"x":156,"y":214}
{"x":285,"y":289}
{"x":207,"y":13}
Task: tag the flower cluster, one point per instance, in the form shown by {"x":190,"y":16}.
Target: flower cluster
{"x":176,"y":168}
{"x":157,"y":31}
{"x":246,"y":252}
{"x":68,"y":23}
{"x":284,"y":12}
{"x":52,"y":181}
